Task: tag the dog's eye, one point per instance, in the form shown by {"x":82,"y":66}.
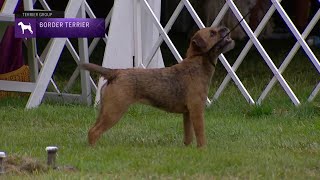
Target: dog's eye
{"x":213,"y":33}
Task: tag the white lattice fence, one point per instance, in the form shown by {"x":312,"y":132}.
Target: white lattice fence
{"x":51,"y":55}
{"x":143,"y":57}
{"x":276,"y":6}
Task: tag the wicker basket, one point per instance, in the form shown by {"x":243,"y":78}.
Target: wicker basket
{"x":21,"y":74}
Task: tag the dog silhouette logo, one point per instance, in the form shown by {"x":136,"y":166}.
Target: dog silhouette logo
{"x":25,"y":27}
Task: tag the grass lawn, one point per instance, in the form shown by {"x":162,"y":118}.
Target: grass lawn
{"x":274,"y":141}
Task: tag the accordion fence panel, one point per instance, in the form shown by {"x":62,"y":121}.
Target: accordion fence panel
{"x":50,"y":56}
{"x":6,"y":15}
{"x":276,"y":4}
{"x":253,"y":41}
{"x":297,"y":35}
{"x":264,"y":54}
{"x":289,"y":57}
{"x":164,"y":36}
{"x":126,"y":46}
{"x":246,"y":48}
{"x":52,"y":52}
{"x":51,"y":60}
{"x":85,"y":52}
{"x":7,"y":18}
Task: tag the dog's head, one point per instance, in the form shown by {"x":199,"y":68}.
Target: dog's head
{"x":20,"y":23}
{"x":215,"y":40}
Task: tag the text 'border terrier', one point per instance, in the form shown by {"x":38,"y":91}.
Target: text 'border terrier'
{"x":182,"y":88}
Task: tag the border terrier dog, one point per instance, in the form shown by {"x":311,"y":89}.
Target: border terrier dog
{"x":182,"y":88}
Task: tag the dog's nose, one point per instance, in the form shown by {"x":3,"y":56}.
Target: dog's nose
{"x":223,"y":31}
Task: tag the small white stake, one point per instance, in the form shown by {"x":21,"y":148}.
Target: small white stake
{"x":52,"y":152}
{"x":2,"y":156}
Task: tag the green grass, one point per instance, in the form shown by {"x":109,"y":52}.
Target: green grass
{"x":273,"y":141}
{"x":246,"y":142}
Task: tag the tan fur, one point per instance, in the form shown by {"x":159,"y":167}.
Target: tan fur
{"x":182,"y":88}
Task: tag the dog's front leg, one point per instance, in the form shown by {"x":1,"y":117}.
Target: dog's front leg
{"x":188,"y":129}
{"x":197,"y":118}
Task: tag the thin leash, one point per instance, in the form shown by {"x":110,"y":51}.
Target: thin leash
{"x":209,"y":101}
{"x":223,"y":36}
{"x":230,"y":31}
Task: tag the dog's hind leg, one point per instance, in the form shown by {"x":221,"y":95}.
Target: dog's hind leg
{"x":113,"y":106}
{"x":188,"y":129}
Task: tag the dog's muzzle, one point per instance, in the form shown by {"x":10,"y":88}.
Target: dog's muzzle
{"x":225,"y":40}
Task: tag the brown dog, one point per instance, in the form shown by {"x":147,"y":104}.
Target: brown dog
{"x":182,"y":88}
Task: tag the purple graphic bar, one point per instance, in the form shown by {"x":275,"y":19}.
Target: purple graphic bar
{"x":59,"y":27}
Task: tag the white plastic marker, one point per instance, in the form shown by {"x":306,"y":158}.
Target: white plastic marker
{"x":2,"y":156}
{"x":52,"y":152}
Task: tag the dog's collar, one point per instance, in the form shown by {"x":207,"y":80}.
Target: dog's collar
{"x":209,"y":59}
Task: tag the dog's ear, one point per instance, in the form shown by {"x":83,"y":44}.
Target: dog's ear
{"x":199,"y":42}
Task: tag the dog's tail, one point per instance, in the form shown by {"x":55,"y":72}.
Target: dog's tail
{"x":106,"y":72}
